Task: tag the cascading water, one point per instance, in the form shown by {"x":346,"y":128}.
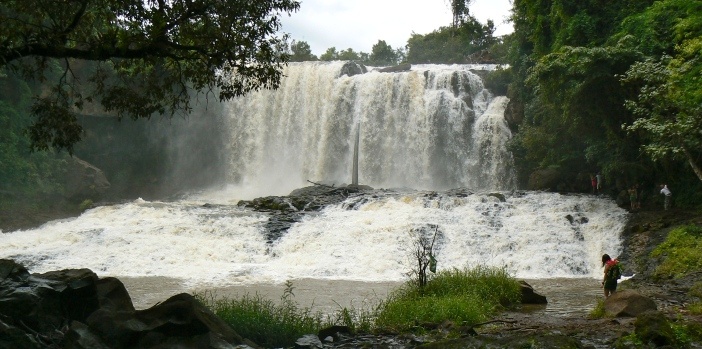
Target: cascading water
{"x":434,"y":127}
{"x":368,"y":238}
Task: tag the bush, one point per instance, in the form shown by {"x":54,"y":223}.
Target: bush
{"x":462,"y":296}
{"x":267,"y":323}
{"x":681,"y":252}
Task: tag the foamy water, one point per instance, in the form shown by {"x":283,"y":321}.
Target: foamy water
{"x":362,"y":239}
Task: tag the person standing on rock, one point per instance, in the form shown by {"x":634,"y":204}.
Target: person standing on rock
{"x":609,"y":282}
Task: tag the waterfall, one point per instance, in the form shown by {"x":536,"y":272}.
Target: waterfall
{"x":433,"y":127}
{"x":366,"y":238}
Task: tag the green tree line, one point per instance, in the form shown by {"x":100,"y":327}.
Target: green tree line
{"x":611,"y":87}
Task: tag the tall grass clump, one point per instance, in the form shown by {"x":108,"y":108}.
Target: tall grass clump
{"x":268,"y":323}
{"x":462,"y":296}
{"x":681,"y":252}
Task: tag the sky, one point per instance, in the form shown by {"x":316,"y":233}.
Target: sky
{"x":359,"y":24}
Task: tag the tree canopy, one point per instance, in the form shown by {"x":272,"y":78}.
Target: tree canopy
{"x":146,"y":56}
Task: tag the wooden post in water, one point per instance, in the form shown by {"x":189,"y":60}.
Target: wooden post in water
{"x":354,"y":175}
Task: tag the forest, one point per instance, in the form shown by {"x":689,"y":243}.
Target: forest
{"x":595,"y":87}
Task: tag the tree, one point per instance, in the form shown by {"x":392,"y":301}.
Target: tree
{"x":459,"y":9}
{"x":301,"y":52}
{"x":329,"y":55}
{"x":148,"y":56}
{"x":348,"y":55}
{"x":383,"y":54}
{"x":423,"y":252}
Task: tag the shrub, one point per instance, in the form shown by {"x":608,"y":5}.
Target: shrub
{"x":681,"y":252}
{"x":461,"y":296}
{"x":264,"y":321}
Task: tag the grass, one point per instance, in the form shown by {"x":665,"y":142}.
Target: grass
{"x":681,"y":252}
{"x":265,"y":322}
{"x":599,"y":311}
{"x":464,"y":296}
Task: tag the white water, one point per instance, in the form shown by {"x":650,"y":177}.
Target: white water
{"x":434,"y":127}
{"x":364,"y":239}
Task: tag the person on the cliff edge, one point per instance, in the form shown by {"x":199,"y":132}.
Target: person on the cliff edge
{"x":608,"y":282}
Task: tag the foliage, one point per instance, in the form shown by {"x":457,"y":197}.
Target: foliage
{"x":85,"y":205}
{"x":23,"y":175}
{"x":567,"y":58}
{"x":423,"y":253}
{"x":451,"y":45}
{"x":148,"y":56}
{"x":300,"y":51}
{"x":599,"y":311}
{"x":497,"y":80}
{"x":329,"y":55}
{"x":383,"y":54}
{"x":669,"y":94}
{"x":681,"y":252}
{"x":469,"y":296}
{"x":264,"y":321}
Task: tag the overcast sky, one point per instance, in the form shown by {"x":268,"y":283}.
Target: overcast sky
{"x":359,"y":24}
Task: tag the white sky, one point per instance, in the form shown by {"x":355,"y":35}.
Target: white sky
{"x":359,"y":24}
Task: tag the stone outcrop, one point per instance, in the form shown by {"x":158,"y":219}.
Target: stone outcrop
{"x":529,"y":296}
{"x":628,"y":303}
{"x":396,"y":68}
{"x":84,"y":181}
{"x":76,"y":309}
{"x":352,"y":68}
{"x":654,"y":329}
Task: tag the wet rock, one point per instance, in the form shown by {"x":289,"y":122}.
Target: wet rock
{"x":308,"y":341}
{"x":499,"y":196}
{"x":334,"y":332}
{"x":654,"y":329}
{"x":628,"y":303}
{"x":529,"y":296}
{"x":73,"y":308}
{"x":83,"y":180}
{"x":352,"y":68}
{"x":396,"y":68}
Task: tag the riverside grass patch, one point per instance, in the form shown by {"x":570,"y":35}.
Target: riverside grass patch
{"x":466,"y":296}
{"x":266,"y":322}
{"x":681,"y":252}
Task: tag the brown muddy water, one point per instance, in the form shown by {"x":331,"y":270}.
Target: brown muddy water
{"x":566,"y":297}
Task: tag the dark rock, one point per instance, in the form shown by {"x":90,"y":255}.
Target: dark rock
{"x":544,"y":179}
{"x":529,"y":296}
{"x":652,"y":327}
{"x":396,"y":68}
{"x":75,"y":309}
{"x":352,"y":68}
{"x":83,"y":180}
{"x":628,"y":303}
{"x":333,"y":331}
{"x":499,"y":196}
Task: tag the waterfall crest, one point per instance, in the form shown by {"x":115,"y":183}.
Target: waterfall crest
{"x":434,"y":127}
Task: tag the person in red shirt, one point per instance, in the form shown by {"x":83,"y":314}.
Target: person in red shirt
{"x":609,"y":282}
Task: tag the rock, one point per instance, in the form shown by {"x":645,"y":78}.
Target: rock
{"x":652,"y":327}
{"x":352,"y":68}
{"x":628,"y":303}
{"x":75,"y":309}
{"x":334,"y":332}
{"x":309,"y":341}
{"x":84,"y":181}
{"x":529,"y":296}
{"x":396,"y":68}
{"x":544,"y":179}
{"x":499,"y":196}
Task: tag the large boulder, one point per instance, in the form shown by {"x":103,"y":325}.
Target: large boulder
{"x":529,"y":296}
{"x":654,"y":329}
{"x":75,"y":309}
{"x":84,"y":181}
{"x":628,"y":303}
